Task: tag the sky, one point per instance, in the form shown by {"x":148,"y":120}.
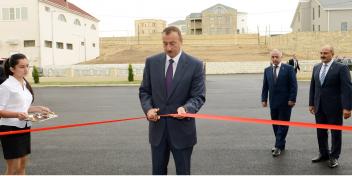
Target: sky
{"x":117,"y":16}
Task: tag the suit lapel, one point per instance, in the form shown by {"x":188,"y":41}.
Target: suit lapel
{"x":329,"y":72}
{"x":281,"y":70}
{"x":161,"y":72}
{"x":180,"y":71}
{"x":271,"y":74}
{"x":317,"y":73}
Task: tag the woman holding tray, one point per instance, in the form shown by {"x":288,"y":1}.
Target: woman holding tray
{"x":15,"y":104}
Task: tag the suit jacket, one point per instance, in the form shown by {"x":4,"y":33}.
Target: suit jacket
{"x":292,"y":63}
{"x":285,"y":88}
{"x":336,"y":92}
{"x":188,"y":90}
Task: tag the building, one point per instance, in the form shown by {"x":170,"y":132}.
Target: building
{"x":181,"y":25}
{"x":48,"y":32}
{"x":242,"y":26}
{"x":216,"y":20}
{"x":322,"y":15}
{"x":147,"y":27}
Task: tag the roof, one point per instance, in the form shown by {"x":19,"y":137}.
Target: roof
{"x":179,"y":22}
{"x":226,"y":7}
{"x":67,"y":5}
{"x":336,"y":4}
{"x":195,"y":15}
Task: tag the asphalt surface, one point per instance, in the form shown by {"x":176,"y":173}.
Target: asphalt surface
{"x":223,"y":147}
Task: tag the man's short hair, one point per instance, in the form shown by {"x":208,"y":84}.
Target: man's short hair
{"x":276,"y":51}
{"x":170,"y":29}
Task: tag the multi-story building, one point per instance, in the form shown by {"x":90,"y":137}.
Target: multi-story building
{"x":180,"y":24}
{"x":216,"y":20}
{"x":322,"y":15}
{"x":147,"y":27}
{"x":48,"y":32}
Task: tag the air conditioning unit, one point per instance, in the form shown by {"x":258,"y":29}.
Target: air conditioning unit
{"x":13,"y":42}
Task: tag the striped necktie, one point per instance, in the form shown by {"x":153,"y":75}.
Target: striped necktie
{"x":323,"y":73}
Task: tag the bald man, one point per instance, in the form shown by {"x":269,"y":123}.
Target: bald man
{"x":281,"y":84}
{"x":330,"y":98}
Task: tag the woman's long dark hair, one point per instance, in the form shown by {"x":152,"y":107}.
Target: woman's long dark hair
{"x":12,"y":62}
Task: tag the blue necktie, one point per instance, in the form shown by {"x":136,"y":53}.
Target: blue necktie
{"x":323,"y":74}
{"x":168,"y":77}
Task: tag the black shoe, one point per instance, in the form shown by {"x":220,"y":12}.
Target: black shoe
{"x":320,"y":158}
{"x":333,"y":163}
{"x":276,"y":152}
{"x":272,"y":149}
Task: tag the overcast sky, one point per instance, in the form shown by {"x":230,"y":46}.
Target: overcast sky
{"x":117,"y":16}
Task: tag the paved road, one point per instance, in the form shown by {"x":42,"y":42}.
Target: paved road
{"x":223,"y":147}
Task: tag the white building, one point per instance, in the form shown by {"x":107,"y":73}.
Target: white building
{"x":48,"y":32}
{"x":322,"y":15}
{"x":242,"y":27}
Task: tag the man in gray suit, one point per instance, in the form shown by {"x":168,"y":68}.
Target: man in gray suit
{"x":330,"y":99}
{"x":173,"y":83}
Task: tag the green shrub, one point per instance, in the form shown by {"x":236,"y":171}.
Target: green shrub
{"x":130,"y":73}
{"x":35,"y":75}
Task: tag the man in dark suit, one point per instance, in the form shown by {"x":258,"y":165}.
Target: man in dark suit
{"x":330,"y":99}
{"x":281,"y":83}
{"x":294,"y":63}
{"x":173,"y":83}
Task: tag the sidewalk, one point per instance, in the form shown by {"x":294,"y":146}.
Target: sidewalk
{"x":81,"y":81}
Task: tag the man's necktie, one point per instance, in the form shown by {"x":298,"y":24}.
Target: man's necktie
{"x":275,"y":73}
{"x":168,"y":78}
{"x":323,"y":74}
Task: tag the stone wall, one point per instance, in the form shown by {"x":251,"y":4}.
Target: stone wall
{"x":120,"y":71}
{"x":307,"y":45}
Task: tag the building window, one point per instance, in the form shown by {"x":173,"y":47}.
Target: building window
{"x":47,"y":9}
{"x":313,"y":14}
{"x":313,"y":28}
{"x":318,"y":27}
{"x":77,"y":22}
{"x":29,"y":43}
{"x":12,"y":14}
{"x":59,"y":45}
{"x":92,"y":27}
{"x":318,"y":11}
{"x":93,"y":45}
{"x":82,"y":43}
{"x":24,"y":13}
{"x":69,"y":46}
{"x":62,"y":18}
{"x":344,"y":26}
{"x":48,"y":44}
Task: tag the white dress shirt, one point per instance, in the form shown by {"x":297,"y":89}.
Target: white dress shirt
{"x":14,"y":98}
{"x":174,"y":65}
{"x":327,"y":68}
{"x":277,"y":69}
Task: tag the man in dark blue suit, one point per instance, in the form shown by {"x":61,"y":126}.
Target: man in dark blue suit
{"x":173,"y":83}
{"x":330,"y":99}
{"x":281,"y":83}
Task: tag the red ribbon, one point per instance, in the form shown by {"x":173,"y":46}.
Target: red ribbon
{"x":67,"y":126}
{"x":198,"y":116}
{"x":269,"y":122}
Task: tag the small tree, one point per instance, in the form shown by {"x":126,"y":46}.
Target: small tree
{"x":35,"y":75}
{"x":130,"y":73}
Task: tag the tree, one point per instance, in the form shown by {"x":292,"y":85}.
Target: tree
{"x":35,"y":75}
{"x":130,"y":73}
